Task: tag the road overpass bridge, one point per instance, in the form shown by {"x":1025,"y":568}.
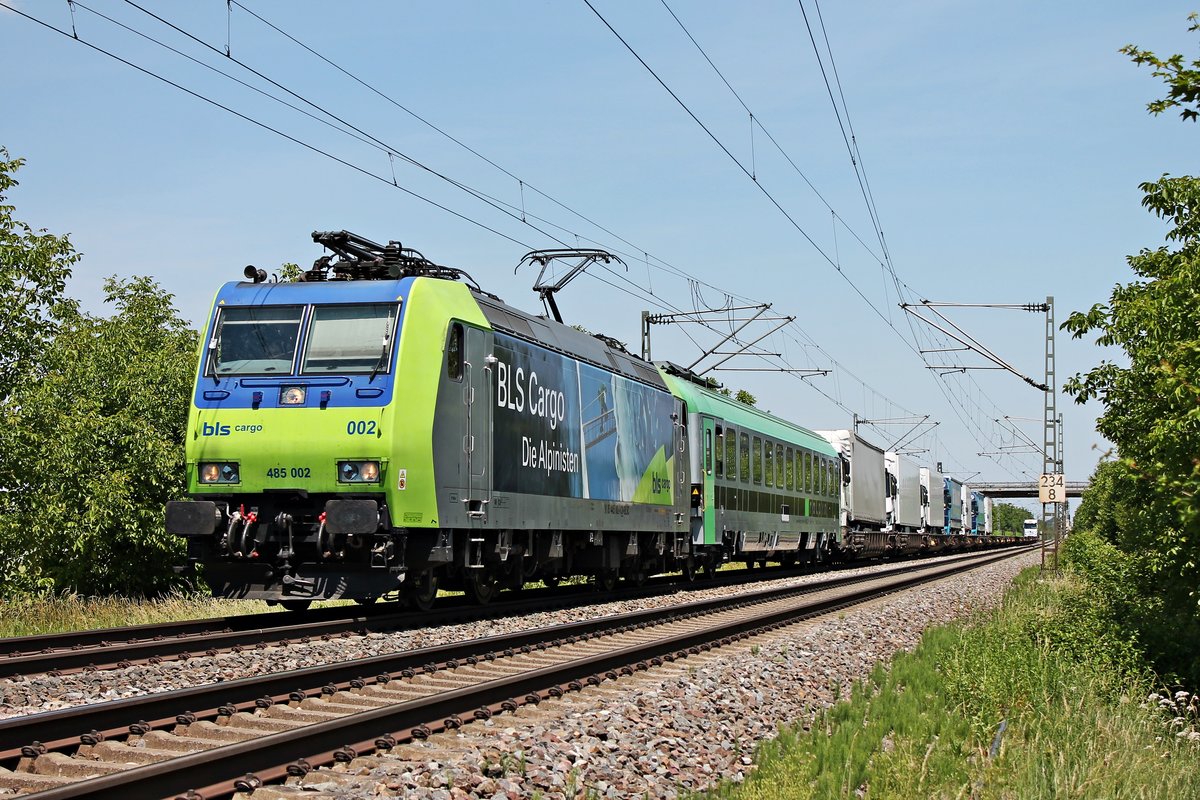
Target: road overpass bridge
{"x":1023,"y":489}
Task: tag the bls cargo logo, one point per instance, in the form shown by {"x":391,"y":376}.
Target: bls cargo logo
{"x":217,"y":429}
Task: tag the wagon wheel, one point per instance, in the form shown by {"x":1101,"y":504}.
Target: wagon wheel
{"x":421,"y":590}
{"x":689,"y":569}
{"x":366,"y":601}
{"x":296,"y":605}
{"x":711,"y":565}
{"x":481,"y":587}
{"x":606,"y":580}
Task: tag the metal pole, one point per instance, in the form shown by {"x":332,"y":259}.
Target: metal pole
{"x":1050,"y":453}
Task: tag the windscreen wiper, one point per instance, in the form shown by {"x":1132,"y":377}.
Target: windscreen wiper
{"x":381,"y":362}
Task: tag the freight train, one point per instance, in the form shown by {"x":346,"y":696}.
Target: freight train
{"x":384,"y":427}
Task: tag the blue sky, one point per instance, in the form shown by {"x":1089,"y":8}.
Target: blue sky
{"x":1003,"y":145}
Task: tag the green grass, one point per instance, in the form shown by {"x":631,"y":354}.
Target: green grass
{"x":69,"y":612}
{"x":1046,"y":664}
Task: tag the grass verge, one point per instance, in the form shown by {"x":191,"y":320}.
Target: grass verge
{"x":29,"y":616}
{"x":1039,"y":698}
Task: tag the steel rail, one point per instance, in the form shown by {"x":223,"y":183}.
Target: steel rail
{"x":97,"y":650}
{"x":450,"y":656}
{"x":227,"y":762}
{"x":61,"y":728}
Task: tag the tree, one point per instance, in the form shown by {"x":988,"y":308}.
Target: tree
{"x":1183,"y":81}
{"x":1007,"y":518}
{"x":742,"y":396}
{"x":34,"y":268}
{"x":289,"y":272}
{"x":1152,"y":406}
{"x":96,"y":450}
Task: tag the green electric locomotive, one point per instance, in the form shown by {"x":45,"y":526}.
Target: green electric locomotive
{"x":384,"y":427}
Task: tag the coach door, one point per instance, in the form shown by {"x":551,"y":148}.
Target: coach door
{"x":477,"y":439}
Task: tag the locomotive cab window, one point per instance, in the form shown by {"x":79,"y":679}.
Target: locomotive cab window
{"x":258,"y":340}
{"x":350,"y":339}
{"x":454,"y":356}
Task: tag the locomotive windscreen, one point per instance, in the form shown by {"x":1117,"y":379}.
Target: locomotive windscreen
{"x":259,"y":340}
{"x":349,"y":338}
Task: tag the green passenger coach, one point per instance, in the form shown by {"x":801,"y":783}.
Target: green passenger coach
{"x":762,"y":488}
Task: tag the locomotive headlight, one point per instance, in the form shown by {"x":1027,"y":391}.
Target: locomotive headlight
{"x":219,"y":472}
{"x":358,"y":472}
{"x":291,"y":396}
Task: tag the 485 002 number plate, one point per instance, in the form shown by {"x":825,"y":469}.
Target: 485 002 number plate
{"x":289,"y":472}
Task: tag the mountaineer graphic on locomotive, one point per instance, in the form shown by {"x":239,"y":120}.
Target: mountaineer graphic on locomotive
{"x":385,"y":427}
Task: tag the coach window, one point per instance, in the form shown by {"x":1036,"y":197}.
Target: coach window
{"x":807,"y":471}
{"x":454,"y":359}
{"x":770,"y":467}
{"x":790,"y":475}
{"x":720,"y":452}
{"x":708,"y":459}
{"x":744,"y":458}
{"x":756,"y":460}
{"x":731,"y":454}
{"x":779,"y":465}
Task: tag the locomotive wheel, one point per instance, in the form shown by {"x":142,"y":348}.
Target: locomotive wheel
{"x":296,"y":605}
{"x":365,"y":601}
{"x":422,"y":590}
{"x":481,"y":587}
{"x":551,"y":581}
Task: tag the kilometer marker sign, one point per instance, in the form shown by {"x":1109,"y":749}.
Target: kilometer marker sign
{"x":1052,"y":488}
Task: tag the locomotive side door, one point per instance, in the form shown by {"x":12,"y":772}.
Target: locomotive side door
{"x":477,"y":436}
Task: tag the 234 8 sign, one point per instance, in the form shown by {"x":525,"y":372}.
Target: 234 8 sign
{"x":1052,"y":488}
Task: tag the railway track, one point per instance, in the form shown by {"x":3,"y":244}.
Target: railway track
{"x":64,"y":653}
{"x":208,"y":738}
